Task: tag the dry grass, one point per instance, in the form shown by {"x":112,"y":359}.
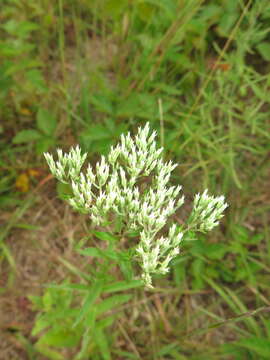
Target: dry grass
{"x":36,"y":254}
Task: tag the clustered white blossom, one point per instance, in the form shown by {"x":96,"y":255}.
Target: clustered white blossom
{"x":131,"y":184}
{"x":207,"y":211}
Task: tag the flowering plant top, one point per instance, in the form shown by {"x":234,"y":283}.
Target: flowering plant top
{"x":116,"y":192}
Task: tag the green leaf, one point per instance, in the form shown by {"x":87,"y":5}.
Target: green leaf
{"x":216,"y":251}
{"x":126,"y":268}
{"x":264,"y":50}
{"x":100,"y":253}
{"x":165,"y":5}
{"x":22,"y":66}
{"x":36,"y":79}
{"x":111,"y":303}
{"x":86,"y":340}
{"x":229,"y":17}
{"x":102,"y":343}
{"x":46,"y":122}
{"x":70,"y":287}
{"x":19,"y":28}
{"x":26,"y":136}
{"x":91,"y":251}
{"x":209,"y":12}
{"x":105,"y":236}
{"x":37,"y":301}
{"x":61,"y":337}
{"x":49,"y":353}
{"x":141,"y":105}
{"x":240,"y":233}
{"x":179,"y":272}
{"x":40,"y":323}
{"x":114,"y":8}
{"x":93,"y":294}
{"x":64,"y":191}
{"x":96,"y":132}
{"x":260,"y":346}
{"x":102,"y":103}
{"x":197,"y":268}
{"x":123,"y":285}
{"x":47,"y":301}
{"x":44,"y":144}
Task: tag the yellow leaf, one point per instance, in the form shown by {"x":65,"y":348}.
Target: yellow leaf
{"x":22,"y":183}
{"x":34,"y":172}
{"x":25,"y":111}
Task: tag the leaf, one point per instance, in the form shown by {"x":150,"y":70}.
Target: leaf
{"x":70,"y":287}
{"x":142,"y":105}
{"x":19,"y":28}
{"x":99,"y":253}
{"x":85,"y":343}
{"x":259,"y":346}
{"x":114,"y":8}
{"x":102,"y":343}
{"x":40,"y":323}
{"x":22,"y":66}
{"x":179,"y":273}
{"x":61,"y":337}
{"x":126,"y":268}
{"x":36,"y":301}
{"x":93,"y":294}
{"x":26,"y":136}
{"x":96,"y":132}
{"x":216,"y":251}
{"x":15,"y":49}
{"x":111,"y":303}
{"x":64,"y":191}
{"x":47,"y":301}
{"x":75,"y":270}
{"x":165,"y":5}
{"x":229,"y":17}
{"x":22,"y":183}
{"x":146,"y":11}
{"x":36,"y":79}
{"x":123,"y":285}
{"x":49,"y":353}
{"x":209,"y":12}
{"x":5,"y":81}
{"x":46,"y":122}
{"x":43,"y":144}
{"x":105,"y":236}
{"x":25,"y":111}
{"x":91,"y":251}
{"x":240,"y":233}
{"x":264,"y":50}
{"x":197,"y":268}
{"x":102,"y":103}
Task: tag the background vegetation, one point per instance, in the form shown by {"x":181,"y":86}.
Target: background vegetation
{"x":86,"y":71}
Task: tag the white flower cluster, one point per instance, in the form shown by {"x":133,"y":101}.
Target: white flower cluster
{"x":131,"y":184}
{"x":68,"y":166}
{"x":207,"y":211}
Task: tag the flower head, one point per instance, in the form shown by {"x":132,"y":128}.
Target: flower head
{"x":115,"y":189}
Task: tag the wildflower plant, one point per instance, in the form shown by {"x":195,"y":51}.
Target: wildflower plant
{"x":128,"y":198}
{"x":129,"y":192}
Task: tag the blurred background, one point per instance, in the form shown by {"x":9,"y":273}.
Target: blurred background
{"x":82,"y":72}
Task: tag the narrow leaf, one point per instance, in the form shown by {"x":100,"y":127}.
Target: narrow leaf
{"x":123,"y":285}
{"x":111,"y":303}
{"x":101,"y":340}
{"x":90,"y":299}
{"x":26,"y":136}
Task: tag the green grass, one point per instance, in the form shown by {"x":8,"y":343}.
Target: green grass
{"x":85,"y":72}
